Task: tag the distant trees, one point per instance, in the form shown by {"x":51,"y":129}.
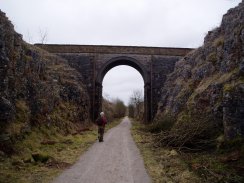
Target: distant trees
{"x":135,"y":107}
{"x":120,"y":108}
{"x":108,"y":108}
{"x":131,"y":111}
{"x":114,"y":108}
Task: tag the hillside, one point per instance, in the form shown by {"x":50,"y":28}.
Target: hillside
{"x":200,"y":118}
{"x":207,"y":86}
{"x":36,"y":89}
{"x":44,"y":119}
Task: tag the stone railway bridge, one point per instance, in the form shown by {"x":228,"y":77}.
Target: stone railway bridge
{"x":93,"y":62}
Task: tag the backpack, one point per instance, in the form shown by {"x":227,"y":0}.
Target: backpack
{"x":99,"y":121}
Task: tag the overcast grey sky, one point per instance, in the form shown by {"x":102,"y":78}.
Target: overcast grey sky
{"x":163,"y":23}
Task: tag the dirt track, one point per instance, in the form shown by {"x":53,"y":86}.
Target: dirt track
{"x":116,"y":160}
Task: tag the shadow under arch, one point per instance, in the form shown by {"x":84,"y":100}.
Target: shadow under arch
{"x":122,"y":60}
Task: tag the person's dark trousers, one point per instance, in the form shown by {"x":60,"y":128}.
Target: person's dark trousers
{"x":100,"y":133}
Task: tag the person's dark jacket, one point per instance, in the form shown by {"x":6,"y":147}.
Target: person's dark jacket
{"x":101,"y":121}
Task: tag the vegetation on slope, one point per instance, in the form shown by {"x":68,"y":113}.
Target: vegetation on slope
{"x":204,"y":95}
{"x":37,"y":89}
{"x":163,"y":164}
{"x":45,"y":151}
{"x":166,"y":164}
{"x":43,"y":154}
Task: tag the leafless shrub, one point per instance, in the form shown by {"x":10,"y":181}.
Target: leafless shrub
{"x":193,"y":134}
{"x":136,"y":102}
{"x":43,"y":35}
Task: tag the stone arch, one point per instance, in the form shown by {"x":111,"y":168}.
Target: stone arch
{"x":123,"y":60}
{"x":129,"y":61}
{"x":154,"y":64}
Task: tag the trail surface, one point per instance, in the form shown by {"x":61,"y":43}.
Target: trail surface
{"x":116,"y":160}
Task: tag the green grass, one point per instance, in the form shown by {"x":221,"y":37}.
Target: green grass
{"x":61,"y":153}
{"x":66,"y":150}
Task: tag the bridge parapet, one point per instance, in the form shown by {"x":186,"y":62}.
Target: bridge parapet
{"x":56,"y":48}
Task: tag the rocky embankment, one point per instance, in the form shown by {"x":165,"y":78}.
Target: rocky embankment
{"x":36,"y":88}
{"x":207,"y":86}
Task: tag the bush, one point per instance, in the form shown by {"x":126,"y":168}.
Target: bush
{"x":39,"y":157}
{"x":108,"y":108}
{"x":131,"y":111}
{"x":119,"y":108}
{"x":162,"y":124}
{"x":190,"y":132}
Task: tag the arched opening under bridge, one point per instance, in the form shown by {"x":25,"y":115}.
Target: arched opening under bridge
{"x":118,"y":61}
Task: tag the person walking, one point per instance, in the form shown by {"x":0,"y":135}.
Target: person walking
{"x":101,"y":122}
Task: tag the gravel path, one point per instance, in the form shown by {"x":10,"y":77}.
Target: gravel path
{"x":116,"y":160}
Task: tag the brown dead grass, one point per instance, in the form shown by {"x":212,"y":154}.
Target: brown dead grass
{"x":164,"y":165}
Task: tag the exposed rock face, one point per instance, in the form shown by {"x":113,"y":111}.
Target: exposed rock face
{"x":37,"y":87}
{"x":209,"y":82}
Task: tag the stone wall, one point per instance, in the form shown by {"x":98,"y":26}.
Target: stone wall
{"x":161,"y":67}
{"x":138,"y":50}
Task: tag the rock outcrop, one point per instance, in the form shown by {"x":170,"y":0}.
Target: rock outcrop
{"x":208,"y":84}
{"x":36,"y":88}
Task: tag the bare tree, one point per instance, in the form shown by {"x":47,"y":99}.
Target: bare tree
{"x":43,"y":35}
{"x":136,"y":100}
{"x":131,"y":111}
{"x":29,"y":37}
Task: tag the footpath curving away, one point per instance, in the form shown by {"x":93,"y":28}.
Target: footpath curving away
{"x":117,"y":159}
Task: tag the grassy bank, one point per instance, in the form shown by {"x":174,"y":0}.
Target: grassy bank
{"x":163,"y":165}
{"x":169,"y":165}
{"x":44,"y":153}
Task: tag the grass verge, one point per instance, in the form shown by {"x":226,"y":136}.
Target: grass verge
{"x":163,"y":165}
{"x":222,"y":165}
{"x":44,"y":153}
